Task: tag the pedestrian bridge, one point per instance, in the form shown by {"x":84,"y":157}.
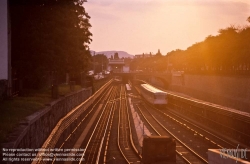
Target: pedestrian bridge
{"x":164,"y":78}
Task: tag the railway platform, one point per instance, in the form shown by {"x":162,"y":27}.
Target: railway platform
{"x":141,"y":130}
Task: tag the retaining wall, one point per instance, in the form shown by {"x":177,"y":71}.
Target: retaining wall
{"x":34,"y":130}
{"x":230,"y":91}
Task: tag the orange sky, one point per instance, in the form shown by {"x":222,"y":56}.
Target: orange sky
{"x":138,"y":26}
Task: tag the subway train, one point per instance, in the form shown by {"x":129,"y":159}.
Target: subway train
{"x":153,"y":95}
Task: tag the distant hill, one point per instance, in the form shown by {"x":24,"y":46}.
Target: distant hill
{"x":109,"y":53}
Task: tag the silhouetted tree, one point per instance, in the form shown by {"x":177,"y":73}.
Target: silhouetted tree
{"x":226,"y":53}
{"x":49,"y":36}
{"x":101,"y":62}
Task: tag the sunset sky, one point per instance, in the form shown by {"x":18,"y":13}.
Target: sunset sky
{"x":138,"y":26}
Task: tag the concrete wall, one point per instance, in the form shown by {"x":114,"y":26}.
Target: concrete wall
{"x":156,"y":81}
{"x":3,"y":40}
{"x":231,"y":91}
{"x":32,"y":132}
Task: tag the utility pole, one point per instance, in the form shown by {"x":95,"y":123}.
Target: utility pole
{"x":94,"y":62}
{"x":167,"y":63}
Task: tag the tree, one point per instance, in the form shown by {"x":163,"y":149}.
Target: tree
{"x":226,"y":53}
{"x":101,"y":62}
{"x":49,"y":36}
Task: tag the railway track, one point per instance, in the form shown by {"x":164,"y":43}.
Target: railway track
{"x":76,"y":128}
{"x":209,"y":136}
{"x":221,"y":128}
{"x":124,"y":139}
{"x":109,"y":135}
{"x":95,"y":145}
{"x":183,"y":150}
{"x":79,"y":126}
{"x":96,"y":148}
{"x":212,"y":139}
{"x":215,"y":117}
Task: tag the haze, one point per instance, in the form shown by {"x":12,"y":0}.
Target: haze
{"x":138,"y":26}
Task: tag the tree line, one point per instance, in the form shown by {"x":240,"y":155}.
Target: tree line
{"x":48,"y":38}
{"x":226,"y":53}
{"x":99,"y":63}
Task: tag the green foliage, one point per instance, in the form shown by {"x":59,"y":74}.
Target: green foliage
{"x":100,"y":58}
{"x":15,"y":110}
{"x":248,"y":19}
{"x":49,"y":36}
{"x":100,"y":62}
{"x":226,"y":53}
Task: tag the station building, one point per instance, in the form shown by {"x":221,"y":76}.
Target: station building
{"x":118,"y":65}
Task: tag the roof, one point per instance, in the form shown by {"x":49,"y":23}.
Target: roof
{"x":152,"y":89}
{"x":116,"y":62}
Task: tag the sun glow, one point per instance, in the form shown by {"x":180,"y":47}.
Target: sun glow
{"x":146,"y":26}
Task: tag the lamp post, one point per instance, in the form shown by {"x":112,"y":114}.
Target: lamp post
{"x":94,"y":62}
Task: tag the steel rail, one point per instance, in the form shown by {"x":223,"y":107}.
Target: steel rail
{"x":192,"y":151}
{"x":105,"y":132}
{"x":206,"y":131}
{"x":65,"y":122}
{"x":108,"y":137}
{"x":243,"y":116}
{"x":97,"y":126}
{"x":196,"y":126}
{"x":171,"y":134}
{"x":157,"y":132}
{"x":110,"y":117}
{"x":221,"y":125}
{"x":118,"y":142}
{"x":82,"y":120}
{"x":122,"y":108}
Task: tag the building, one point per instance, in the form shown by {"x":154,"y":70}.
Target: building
{"x":143,"y":56}
{"x":116,"y":65}
{"x":119,"y":65}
